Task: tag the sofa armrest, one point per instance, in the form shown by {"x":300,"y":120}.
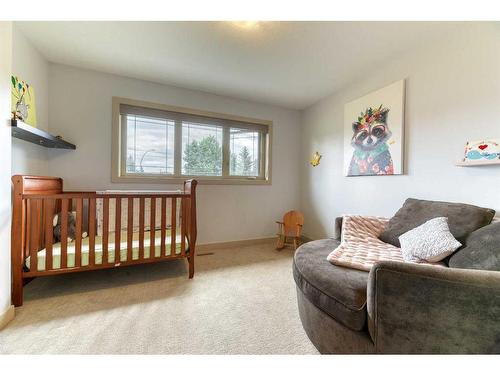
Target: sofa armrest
{"x":337,"y":229}
{"x":424,"y":309}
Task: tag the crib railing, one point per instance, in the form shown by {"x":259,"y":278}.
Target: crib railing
{"x":33,"y":229}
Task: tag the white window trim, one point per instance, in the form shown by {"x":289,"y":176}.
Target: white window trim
{"x":117,"y":138}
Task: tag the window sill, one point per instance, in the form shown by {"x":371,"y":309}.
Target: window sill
{"x":179,"y":180}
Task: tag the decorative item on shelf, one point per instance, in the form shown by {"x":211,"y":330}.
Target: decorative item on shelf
{"x":482,"y":152}
{"x":373,"y":132}
{"x":23,"y":101}
{"x":316,"y":158}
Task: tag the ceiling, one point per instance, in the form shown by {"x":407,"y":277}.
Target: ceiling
{"x":290,"y":64}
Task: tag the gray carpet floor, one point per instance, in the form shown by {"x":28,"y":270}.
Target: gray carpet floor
{"x":241,"y":301}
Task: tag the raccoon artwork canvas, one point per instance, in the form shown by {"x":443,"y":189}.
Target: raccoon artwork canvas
{"x":374,"y":132}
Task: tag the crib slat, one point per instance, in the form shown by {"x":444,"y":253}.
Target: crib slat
{"x":152,"y":225}
{"x":105,"y":230}
{"x":163,"y":250}
{"x":183,"y":226}
{"x":41,"y":242}
{"x":27,"y":229}
{"x":118,"y":228}
{"x":92,"y":224}
{"x":130,"y":223}
{"x":78,"y":232}
{"x":35,"y":233}
{"x":38,"y":222}
{"x":173,"y":227}
{"x":49,"y":231}
{"x":64,"y":233}
{"x":141,"y":228}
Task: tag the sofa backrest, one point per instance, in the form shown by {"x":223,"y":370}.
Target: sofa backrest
{"x":463,"y":219}
{"x":481,"y":250}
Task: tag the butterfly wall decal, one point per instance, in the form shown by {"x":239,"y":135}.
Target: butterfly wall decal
{"x":315,"y":159}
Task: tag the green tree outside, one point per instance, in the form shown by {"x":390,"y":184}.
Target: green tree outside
{"x":233,"y":164}
{"x":130,"y":164}
{"x":242,"y":164}
{"x":203,"y":158}
{"x":246,"y":162}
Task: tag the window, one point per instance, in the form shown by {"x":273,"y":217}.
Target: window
{"x":155,"y":143}
{"x":150,"y":145}
{"x":201,"y":149}
{"x":244,"y":148}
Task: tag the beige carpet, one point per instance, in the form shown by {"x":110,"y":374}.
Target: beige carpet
{"x":241,"y":301}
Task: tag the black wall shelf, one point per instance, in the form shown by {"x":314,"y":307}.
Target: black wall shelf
{"x":39,"y":137}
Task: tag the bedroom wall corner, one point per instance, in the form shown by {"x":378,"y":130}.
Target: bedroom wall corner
{"x":6,"y":309}
{"x":31,"y":66}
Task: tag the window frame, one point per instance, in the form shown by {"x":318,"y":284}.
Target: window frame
{"x":118,"y":157}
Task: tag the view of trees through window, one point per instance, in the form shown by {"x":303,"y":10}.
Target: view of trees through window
{"x":244,"y":151}
{"x":151,"y":148}
{"x":201,"y":150}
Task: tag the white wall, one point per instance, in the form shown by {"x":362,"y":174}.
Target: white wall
{"x":452,"y":95}
{"x":5,"y":160}
{"x":31,"y":66}
{"x":80,"y":111}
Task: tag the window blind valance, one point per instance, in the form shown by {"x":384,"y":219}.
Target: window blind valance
{"x":126,"y":109}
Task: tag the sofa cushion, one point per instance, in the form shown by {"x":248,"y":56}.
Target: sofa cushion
{"x":463,"y":219}
{"x":337,"y":291}
{"x":432,"y":241}
{"x":481,"y":250}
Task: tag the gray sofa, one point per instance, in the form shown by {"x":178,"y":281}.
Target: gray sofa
{"x":404,"y":307}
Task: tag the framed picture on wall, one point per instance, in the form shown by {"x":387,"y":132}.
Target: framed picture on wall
{"x":374,"y":132}
{"x":483,"y":151}
{"x":23,"y":101}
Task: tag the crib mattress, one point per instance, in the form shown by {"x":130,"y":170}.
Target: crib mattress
{"x":56,"y":249}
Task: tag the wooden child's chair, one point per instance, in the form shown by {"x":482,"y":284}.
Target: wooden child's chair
{"x":290,"y":228}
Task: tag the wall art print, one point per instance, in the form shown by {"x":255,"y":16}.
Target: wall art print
{"x":487,"y":150}
{"x":374,"y":132}
{"x":23,"y":101}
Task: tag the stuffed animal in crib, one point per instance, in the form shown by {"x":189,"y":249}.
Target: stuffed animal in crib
{"x":370,"y":141}
{"x":71,"y":227}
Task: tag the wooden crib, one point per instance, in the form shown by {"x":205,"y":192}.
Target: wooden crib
{"x":38,"y":199}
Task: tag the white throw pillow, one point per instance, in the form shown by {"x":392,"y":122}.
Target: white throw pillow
{"x":431,"y":241}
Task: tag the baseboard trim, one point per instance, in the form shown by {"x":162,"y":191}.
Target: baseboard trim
{"x":7,"y":316}
{"x":225,"y":245}
{"x":305,"y":239}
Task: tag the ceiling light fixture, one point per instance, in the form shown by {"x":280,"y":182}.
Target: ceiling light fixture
{"x":247,"y":24}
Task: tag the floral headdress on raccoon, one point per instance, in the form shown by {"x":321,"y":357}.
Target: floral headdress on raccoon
{"x":372,"y":115}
